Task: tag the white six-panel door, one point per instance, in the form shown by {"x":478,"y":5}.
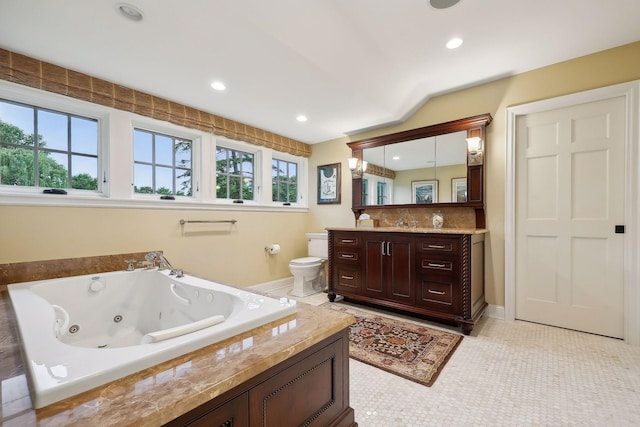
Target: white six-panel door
{"x":569,"y":196}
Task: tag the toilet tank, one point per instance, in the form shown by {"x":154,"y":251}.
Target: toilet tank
{"x":318,"y":245}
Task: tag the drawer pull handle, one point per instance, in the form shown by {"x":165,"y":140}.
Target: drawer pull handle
{"x":347,"y":256}
{"x":436,"y":265}
{"x":436,"y":246}
{"x":347,"y":277}
{"x":431,"y":291}
{"x":348,"y":241}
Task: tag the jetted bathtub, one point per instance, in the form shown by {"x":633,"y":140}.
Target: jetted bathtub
{"x":81,"y":332}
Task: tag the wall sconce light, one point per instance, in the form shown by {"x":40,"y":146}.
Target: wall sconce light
{"x":358,"y":168}
{"x":474,"y":149}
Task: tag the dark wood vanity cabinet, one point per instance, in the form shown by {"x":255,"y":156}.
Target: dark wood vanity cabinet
{"x":438,"y":276}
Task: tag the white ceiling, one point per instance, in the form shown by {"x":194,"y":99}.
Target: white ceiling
{"x":346,"y":64}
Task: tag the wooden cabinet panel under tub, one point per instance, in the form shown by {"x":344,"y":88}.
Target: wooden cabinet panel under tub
{"x":439,"y":276}
{"x":310,"y":388}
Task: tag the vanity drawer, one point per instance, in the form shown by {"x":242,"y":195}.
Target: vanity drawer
{"x":438,"y":295}
{"x":347,"y":277}
{"x":343,"y":254}
{"x":347,"y":239}
{"x":438,"y":266}
{"x":440,"y":292}
{"x":439,"y":245}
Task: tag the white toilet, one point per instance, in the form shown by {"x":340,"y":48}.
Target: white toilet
{"x":308,"y":272}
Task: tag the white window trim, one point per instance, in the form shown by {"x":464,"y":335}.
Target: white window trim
{"x":262,"y":164}
{"x":116,"y":162}
{"x":178,"y":132}
{"x":303,"y":167}
{"x":44,"y":100}
{"x":257,"y":170}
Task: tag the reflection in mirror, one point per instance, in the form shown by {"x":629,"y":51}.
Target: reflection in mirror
{"x":420,"y":171}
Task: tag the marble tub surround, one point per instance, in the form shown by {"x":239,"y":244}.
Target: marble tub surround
{"x":52,"y":269}
{"x":159,"y":394}
{"x":454,"y":217}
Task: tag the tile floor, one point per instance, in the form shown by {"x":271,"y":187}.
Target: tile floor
{"x":507,"y":374}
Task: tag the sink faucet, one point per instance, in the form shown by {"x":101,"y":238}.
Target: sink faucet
{"x":402,"y":224}
{"x":163,"y":263}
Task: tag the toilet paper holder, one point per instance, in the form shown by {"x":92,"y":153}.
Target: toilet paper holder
{"x":272,"y":249}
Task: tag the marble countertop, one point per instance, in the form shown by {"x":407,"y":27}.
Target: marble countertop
{"x":414,"y":230}
{"x":159,"y":394}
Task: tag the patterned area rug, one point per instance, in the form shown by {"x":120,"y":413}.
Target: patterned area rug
{"x":411,"y":351}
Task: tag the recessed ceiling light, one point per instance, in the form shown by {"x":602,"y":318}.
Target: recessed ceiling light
{"x":442,"y":4}
{"x":218,"y":86}
{"x":396,"y":157}
{"x":301,"y":118}
{"x":454,"y":43}
{"x":129,"y":11}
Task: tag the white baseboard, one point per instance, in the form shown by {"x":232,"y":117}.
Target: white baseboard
{"x":495,"y":312}
{"x":274,"y":285}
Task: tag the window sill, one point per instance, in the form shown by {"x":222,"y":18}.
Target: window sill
{"x":99,"y":201}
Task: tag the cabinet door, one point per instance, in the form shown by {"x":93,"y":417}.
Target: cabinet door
{"x":389,"y":268}
{"x":375,"y":249}
{"x":309,"y":393}
{"x":234,"y":413}
{"x":399,"y":269}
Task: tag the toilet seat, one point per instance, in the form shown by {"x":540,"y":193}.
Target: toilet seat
{"x":305,"y":261}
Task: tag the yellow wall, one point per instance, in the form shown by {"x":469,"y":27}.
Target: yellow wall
{"x":219,"y":252}
{"x":238,"y":257}
{"x":605,"y":68}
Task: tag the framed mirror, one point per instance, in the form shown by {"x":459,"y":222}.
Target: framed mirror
{"x":432,"y":165}
{"x":406,"y":169}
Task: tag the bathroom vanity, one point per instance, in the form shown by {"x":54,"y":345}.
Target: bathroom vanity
{"x":437,"y":274}
{"x":429,"y":183}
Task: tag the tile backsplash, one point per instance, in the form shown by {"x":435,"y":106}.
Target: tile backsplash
{"x":51,"y":269}
{"x":454,"y":217}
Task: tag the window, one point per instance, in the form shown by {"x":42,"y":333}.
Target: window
{"x":284,"y":181}
{"x":101,"y":157}
{"x":46,"y":148}
{"x":382,"y":193}
{"x":162,"y":164}
{"x":234,"y":174}
{"x":365,"y":191}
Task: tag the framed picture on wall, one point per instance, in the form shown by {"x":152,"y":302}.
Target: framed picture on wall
{"x":423,"y":192}
{"x":329,"y":184}
{"x":458,"y":190}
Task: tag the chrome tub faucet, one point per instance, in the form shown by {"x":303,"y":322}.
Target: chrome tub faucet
{"x":163,"y":263}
